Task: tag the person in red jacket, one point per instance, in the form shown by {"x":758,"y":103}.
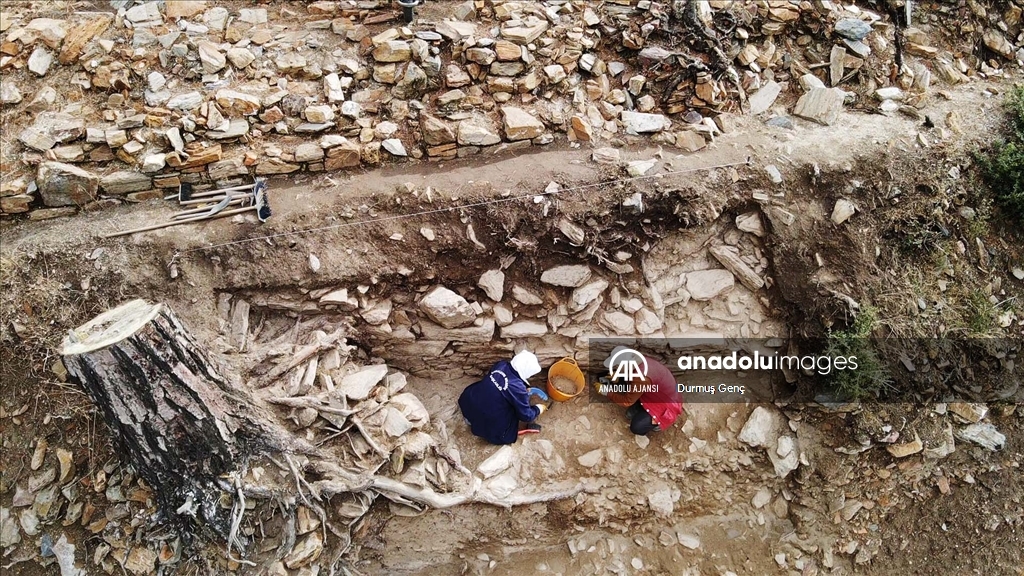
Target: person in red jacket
{"x":652,"y":402}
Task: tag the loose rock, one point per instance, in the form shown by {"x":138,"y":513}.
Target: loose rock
{"x":591,"y":459}
{"x":983,"y":434}
{"x":357,"y":386}
{"x":852,"y":28}
{"x":520,"y":125}
{"x":762,"y":428}
{"x":821,"y":105}
{"x":763,"y":99}
{"x":639,"y":122}
{"x":492,"y":283}
{"x":40,"y":60}
{"x":447,"y":308}
{"x":705,"y":285}
{"x":568,"y":275}
{"x":842,"y":211}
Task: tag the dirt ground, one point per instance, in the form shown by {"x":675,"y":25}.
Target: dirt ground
{"x":58,"y":274}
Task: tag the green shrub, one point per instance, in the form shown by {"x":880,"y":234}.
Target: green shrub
{"x":980,"y":314}
{"x":1003,"y":166}
{"x":871,"y":376}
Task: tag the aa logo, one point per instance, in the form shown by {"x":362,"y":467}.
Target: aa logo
{"x":502,"y":383}
{"x":627,"y":365}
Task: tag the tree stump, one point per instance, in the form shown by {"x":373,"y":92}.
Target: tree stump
{"x":172,"y":414}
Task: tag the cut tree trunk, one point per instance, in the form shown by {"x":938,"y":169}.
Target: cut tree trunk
{"x":172,"y":413}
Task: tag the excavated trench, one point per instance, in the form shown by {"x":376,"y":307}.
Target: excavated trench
{"x":693,"y":499}
{"x":649,"y":258}
{"x":680,"y":498}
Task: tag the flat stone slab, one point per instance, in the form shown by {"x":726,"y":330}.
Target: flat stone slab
{"x":569,"y":275}
{"x":357,"y":385}
{"x":707,"y":284}
{"x":821,"y":105}
{"x":763,"y":99}
{"x":640,"y":122}
{"x":481,"y":334}
{"x":525,"y":329}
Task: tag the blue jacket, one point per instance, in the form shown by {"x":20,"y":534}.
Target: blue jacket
{"x":496,"y":404}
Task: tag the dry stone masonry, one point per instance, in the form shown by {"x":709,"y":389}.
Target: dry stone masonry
{"x":124,"y":104}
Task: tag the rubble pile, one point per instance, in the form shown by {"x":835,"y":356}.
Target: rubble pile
{"x":105,"y":108}
{"x":364,"y":422}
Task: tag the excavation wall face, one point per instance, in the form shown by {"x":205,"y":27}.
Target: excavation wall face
{"x":454,"y":329}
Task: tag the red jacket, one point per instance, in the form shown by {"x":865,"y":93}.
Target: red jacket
{"x":666,"y":404}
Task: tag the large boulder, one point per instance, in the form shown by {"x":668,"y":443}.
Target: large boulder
{"x":66,"y":185}
{"x":447,"y":308}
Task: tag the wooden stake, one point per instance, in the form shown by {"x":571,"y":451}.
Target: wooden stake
{"x":208,"y":200}
{"x":207,"y":193}
{"x":204,"y":209}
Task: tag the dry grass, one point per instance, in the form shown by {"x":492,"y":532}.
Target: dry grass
{"x":41,"y":297}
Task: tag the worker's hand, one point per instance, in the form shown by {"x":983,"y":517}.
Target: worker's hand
{"x":541,"y":408}
{"x":603,"y":385}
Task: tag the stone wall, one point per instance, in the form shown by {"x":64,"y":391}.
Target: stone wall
{"x":105,"y":108}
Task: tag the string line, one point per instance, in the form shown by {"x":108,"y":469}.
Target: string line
{"x":460,"y":206}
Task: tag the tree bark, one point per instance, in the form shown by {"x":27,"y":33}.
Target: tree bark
{"x":173,"y":415}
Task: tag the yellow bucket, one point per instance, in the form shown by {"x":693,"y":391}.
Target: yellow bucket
{"x":569,"y":369}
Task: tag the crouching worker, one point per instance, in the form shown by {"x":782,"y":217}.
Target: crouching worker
{"x":494,"y":406}
{"x":652,"y":403}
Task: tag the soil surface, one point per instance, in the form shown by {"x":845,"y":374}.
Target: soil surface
{"x":689,"y":500}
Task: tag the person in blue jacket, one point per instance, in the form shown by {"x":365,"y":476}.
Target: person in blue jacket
{"x":495,"y":405}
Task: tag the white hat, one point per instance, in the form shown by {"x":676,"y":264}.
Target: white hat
{"x":526,"y":364}
{"x":616,"y":350}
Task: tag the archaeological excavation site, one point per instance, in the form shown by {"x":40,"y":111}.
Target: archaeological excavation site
{"x":369,"y":287}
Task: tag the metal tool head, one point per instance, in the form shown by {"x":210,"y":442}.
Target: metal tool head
{"x":184,"y":191}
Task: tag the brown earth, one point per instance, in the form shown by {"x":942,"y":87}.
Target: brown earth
{"x":54,"y":278}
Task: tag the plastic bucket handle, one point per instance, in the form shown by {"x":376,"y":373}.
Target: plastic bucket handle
{"x":557,"y":394}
